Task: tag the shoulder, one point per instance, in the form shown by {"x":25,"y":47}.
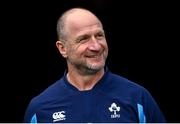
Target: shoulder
{"x":123,"y":82}
{"x":44,"y":99}
{"x":125,"y":88}
{"x":122,"y":86}
{"x":54,"y":92}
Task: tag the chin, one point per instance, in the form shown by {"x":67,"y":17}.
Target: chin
{"x":93,"y":70}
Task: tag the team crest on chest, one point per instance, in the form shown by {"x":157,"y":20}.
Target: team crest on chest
{"x":114,"y":109}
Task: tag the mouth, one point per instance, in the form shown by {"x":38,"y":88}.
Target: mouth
{"x":93,"y":56}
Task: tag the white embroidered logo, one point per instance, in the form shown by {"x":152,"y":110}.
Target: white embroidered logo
{"x":58,"y":116}
{"x":114,"y":108}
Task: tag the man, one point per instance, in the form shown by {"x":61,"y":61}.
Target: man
{"x":88,"y":92}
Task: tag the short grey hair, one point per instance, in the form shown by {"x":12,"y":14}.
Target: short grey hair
{"x":61,"y":30}
{"x":61,"y":27}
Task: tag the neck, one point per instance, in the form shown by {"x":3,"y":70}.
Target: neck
{"x":84,"y":82}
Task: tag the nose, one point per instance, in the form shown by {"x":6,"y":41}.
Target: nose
{"x":94,"y":44}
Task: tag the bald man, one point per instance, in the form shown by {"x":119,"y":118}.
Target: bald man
{"x":88,"y":92}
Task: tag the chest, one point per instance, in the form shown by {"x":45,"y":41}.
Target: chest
{"x":89,"y":108}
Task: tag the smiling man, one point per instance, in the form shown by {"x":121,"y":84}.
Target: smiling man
{"x":88,"y":92}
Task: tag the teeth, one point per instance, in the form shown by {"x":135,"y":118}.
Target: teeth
{"x":94,"y":56}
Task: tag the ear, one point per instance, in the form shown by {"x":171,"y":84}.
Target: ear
{"x":62,"y":48}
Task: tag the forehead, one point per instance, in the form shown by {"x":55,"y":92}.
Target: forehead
{"x":82,"y":20}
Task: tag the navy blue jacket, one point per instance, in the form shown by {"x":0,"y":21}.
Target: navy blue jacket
{"x":112,"y":99}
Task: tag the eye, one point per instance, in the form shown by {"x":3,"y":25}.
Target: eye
{"x":83,"y":39}
{"x":100,"y":35}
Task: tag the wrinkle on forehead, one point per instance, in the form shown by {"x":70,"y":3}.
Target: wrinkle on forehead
{"x":80,"y":20}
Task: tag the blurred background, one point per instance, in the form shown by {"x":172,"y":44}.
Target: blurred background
{"x":143,"y":47}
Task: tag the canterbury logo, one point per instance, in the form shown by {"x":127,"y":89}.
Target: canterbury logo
{"x":58,"y":116}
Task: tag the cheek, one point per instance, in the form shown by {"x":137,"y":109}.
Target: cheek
{"x":105,"y":46}
{"x":76,"y":50}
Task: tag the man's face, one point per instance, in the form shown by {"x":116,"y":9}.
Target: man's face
{"x":86,"y":45}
